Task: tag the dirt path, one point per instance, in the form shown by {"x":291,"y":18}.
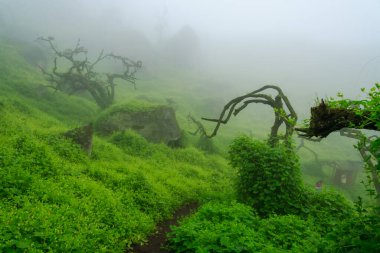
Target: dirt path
{"x":158,"y":239}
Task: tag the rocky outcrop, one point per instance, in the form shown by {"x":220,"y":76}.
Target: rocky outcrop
{"x":82,"y":136}
{"x":155,"y":123}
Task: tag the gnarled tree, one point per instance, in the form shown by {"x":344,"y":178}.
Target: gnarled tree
{"x":283,"y":112}
{"x":81,"y":74}
{"x":349,"y":116}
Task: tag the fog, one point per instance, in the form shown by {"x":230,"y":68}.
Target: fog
{"x":309,"y":48}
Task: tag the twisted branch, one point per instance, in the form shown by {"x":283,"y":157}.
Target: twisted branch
{"x":81,"y":75}
{"x":236,"y":105}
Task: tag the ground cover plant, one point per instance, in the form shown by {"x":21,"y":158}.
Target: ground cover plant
{"x":283,"y":214}
{"x":291,"y":216}
{"x":269,"y":180}
{"x":56,"y":198}
{"x":235,"y":227}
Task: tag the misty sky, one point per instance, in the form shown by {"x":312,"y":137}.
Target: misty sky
{"x":314,"y":47}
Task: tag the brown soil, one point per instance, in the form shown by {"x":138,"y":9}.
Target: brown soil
{"x":157,"y":240}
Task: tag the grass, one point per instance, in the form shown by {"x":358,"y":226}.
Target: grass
{"x":56,"y":199}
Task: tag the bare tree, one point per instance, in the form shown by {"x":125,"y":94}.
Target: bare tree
{"x":81,"y":74}
{"x":279,"y":104}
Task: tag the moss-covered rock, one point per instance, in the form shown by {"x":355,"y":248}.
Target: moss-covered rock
{"x":82,"y":136}
{"x":155,"y":123}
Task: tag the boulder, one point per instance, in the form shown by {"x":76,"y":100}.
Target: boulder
{"x":82,"y":136}
{"x":155,"y":123}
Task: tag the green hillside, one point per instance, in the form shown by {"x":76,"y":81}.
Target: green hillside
{"x":55,"y":198}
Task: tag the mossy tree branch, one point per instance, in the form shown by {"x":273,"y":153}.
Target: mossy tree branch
{"x":325,"y":119}
{"x":200,"y":128}
{"x":279,"y":104}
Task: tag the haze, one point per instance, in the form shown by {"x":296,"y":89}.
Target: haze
{"x":309,"y":48}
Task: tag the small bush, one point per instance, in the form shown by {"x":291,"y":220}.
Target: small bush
{"x":217,"y":227}
{"x":289,"y":232}
{"x":357,"y":233}
{"x":269,"y":178}
{"x":132,"y":143}
{"x":327,"y":209}
{"x":33,"y":156}
{"x":233,"y":227}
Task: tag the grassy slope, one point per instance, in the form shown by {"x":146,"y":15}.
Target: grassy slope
{"x":115,"y":198}
{"x":54,"y":198}
{"x":198,"y":95}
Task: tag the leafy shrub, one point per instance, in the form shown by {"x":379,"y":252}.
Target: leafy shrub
{"x":269,"y":178}
{"x":233,"y":227}
{"x":22,"y":159}
{"x":65,"y":148}
{"x":33,"y":156}
{"x":356,"y":233}
{"x":189,"y":155}
{"x":132,"y":143}
{"x":217,"y":227}
{"x":327,"y":209}
{"x":289,"y":232}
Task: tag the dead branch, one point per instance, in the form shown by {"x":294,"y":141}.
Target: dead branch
{"x":200,"y":128}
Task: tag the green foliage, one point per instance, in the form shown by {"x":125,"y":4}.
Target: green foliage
{"x":327,"y":209}
{"x":56,"y":199}
{"x":368,"y":107}
{"x":217,"y":227}
{"x":234,"y":227}
{"x":359,"y":233}
{"x":289,"y":232}
{"x":369,"y":110}
{"x":132,"y":143}
{"x":269,"y":178}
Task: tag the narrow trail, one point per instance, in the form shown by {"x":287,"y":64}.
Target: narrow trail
{"x":158,"y":239}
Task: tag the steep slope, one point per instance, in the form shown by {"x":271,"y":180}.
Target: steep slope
{"x":55,"y":198}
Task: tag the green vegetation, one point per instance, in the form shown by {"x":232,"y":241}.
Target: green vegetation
{"x":368,"y":107}
{"x":368,"y":111}
{"x":269,"y":178}
{"x":55,"y":198}
{"x":286,"y":216}
{"x":234,"y":227}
